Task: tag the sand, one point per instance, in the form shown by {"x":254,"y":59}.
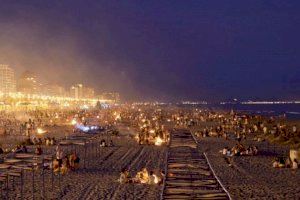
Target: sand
{"x":99,"y":179}
{"x":248,"y":177}
{"x":252,"y":177}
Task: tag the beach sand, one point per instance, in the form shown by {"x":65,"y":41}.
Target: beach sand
{"x":247,"y":177}
{"x":252,"y":177}
{"x":99,"y":179}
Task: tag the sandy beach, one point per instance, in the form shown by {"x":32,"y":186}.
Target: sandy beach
{"x":245,"y":177}
{"x":99,"y":179}
{"x":251,"y":177}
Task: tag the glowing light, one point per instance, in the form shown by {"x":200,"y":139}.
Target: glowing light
{"x":82,"y":127}
{"x":158,"y":141}
{"x":152,"y":131}
{"x":73,"y":122}
{"x":136,"y":137}
{"x":118,"y":117}
{"x":85,"y":107}
{"x":156,"y":179}
{"x":40,"y":131}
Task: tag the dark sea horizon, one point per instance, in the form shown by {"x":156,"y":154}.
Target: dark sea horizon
{"x":292,"y":111}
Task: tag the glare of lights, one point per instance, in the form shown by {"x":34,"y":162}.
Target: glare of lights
{"x":118,"y":117}
{"x":40,"y":131}
{"x":156,"y":180}
{"x":158,"y":141}
{"x":152,"y":131}
{"x":73,"y":122}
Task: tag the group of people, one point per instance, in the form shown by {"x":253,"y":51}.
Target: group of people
{"x":281,"y":162}
{"x":142,"y":177}
{"x":20,"y":149}
{"x":64,"y":163}
{"x":240,"y":150}
{"x":103,"y":143}
{"x":212,"y":132}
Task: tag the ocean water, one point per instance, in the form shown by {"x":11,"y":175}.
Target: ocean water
{"x":292,"y":111}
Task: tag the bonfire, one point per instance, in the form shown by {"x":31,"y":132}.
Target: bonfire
{"x":40,"y":131}
{"x":158,"y":141}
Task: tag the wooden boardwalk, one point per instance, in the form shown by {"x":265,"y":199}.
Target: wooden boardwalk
{"x":189,"y":175}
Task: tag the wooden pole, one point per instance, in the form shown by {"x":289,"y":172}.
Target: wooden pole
{"x":32,"y":180}
{"x":21,"y":186}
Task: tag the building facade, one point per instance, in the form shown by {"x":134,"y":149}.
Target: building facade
{"x":28,"y":84}
{"x":55,"y":90}
{"x":76,"y":91}
{"x":7,"y":80}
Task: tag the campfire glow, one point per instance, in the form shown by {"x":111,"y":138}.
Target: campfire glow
{"x":40,"y":131}
{"x":118,"y":117}
{"x":136,"y":137}
{"x":158,"y":141}
{"x":73,"y":122}
{"x":155,"y":179}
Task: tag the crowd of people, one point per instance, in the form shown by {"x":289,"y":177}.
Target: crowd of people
{"x":240,"y":127}
{"x":240,"y":150}
{"x":63,"y":163}
{"x":281,"y":162}
{"x":142,"y":177}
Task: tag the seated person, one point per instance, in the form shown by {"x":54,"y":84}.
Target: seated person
{"x":276,"y":163}
{"x":47,"y":142}
{"x":55,"y":166}
{"x":111,"y":144}
{"x":161,"y":177}
{"x":38,"y":150}
{"x":74,"y":161}
{"x":52,"y":141}
{"x":24,"y":149}
{"x":142,"y":176}
{"x":102,"y":143}
{"x":17,"y":149}
{"x":40,"y":142}
{"x":152,"y":178}
{"x":65,"y":166}
{"x":34,"y":141}
{"x":224,"y":151}
{"x":255,"y":150}
{"x":295,"y":164}
{"x":288,"y":162}
{"x":280,"y":162}
{"x":124,"y":176}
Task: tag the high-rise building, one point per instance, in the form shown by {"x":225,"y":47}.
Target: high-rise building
{"x":7,"y":80}
{"x":28,"y":84}
{"x":89,"y":93}
{"x":54,"y":90}
{"x":111,"y":96}
{"x":76,"y":91}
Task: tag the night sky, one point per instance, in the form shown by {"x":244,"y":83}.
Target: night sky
{"x":158,"y":50}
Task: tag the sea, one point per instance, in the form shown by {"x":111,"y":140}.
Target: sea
{"x":292,"y":111}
